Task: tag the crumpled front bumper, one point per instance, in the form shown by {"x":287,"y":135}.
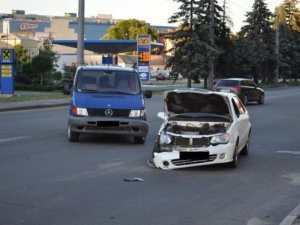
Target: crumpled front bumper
{"x":171,"y":160}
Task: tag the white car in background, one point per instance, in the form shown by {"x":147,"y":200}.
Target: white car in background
{"x":201,"y":128}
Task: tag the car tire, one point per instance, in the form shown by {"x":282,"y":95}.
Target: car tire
{"x":261,"y":99}
{"x":139,"y":140}
{"x":245,"y":100}
{"x":72,"y":136}
{"x":234,"y":163}
{"x":245,"y":150}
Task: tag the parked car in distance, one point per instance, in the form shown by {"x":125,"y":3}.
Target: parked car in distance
{"x":161,"y":76}
{"x":200,"y":128}
{"x":245,"y":89}
{"x":108,"y":100}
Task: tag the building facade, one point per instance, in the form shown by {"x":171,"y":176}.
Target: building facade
{"x":37,"y":27}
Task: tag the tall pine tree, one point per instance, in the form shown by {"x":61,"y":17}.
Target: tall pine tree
{"x":193,"y":49}
{"x":261,"y":37}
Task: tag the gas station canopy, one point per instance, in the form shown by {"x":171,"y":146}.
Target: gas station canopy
{"x":107,"y":46}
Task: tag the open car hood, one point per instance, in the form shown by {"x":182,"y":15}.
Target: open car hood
{"x":194,"y":101}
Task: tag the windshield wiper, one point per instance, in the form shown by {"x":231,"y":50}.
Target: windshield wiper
{"x":88,"y":90}
{"x":116,"y":92}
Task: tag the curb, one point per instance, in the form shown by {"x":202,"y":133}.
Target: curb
{"x":38,"y":106}
{"x":290,"y":219}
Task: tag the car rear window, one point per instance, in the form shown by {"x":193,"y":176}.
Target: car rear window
{"x":228,"y":83}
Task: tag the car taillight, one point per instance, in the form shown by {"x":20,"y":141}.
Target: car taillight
{"x":214,"y":88}
{"x":237,"y":89}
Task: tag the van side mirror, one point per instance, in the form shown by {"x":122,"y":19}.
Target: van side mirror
{"x":148,"y":93}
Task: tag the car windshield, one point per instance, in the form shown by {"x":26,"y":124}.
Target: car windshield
{"x":228,"y":83}
{"x":107,"y":81}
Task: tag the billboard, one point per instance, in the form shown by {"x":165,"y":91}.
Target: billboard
{"x":28,"y":26}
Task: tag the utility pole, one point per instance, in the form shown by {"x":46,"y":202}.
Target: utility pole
{"x":212,"y":42}
{"x":189,"y":85}
{"x":277,"y":47}
{"x":80,"y":35}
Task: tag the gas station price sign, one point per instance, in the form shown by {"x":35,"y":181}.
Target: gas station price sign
{"x":144,"y":56}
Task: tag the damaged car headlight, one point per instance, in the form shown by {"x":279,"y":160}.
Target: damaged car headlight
{"x":165,"y":138}
{"x":220,"y":139}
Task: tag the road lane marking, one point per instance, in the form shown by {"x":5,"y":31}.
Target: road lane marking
{"x":289,"y":152}
{"x":12,"y":139}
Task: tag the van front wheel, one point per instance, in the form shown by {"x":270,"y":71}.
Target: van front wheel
{"x":139,"y":140}
{"x":72,"y":136}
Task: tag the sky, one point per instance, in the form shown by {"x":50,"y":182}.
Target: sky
{"x":155,"y":12}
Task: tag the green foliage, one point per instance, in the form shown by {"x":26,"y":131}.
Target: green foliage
{"x":193,"y":48}
{"x":44,"y":64}
{"x":289,"y":17}
{"x":21,"y":54}
{"x":256,"y":46}
{"x":35,"y":87}
{"x":129,"y":29}
{"x":41,"y":64}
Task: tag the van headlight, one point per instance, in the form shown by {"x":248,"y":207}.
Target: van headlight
{"x":220,"y":139}
{"x":79,"y":111}
{"x":137,"y":113}
{"x":165,"y":138}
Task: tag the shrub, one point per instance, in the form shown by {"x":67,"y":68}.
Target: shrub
{"x":35,"y":87}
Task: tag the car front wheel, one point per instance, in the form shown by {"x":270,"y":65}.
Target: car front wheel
{"x":234,"y":163}
{"x":261,"y":99}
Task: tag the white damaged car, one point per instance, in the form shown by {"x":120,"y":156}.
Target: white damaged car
{"x":201,"y":128}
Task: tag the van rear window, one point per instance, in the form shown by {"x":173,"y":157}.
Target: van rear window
{"x":109,"y":81}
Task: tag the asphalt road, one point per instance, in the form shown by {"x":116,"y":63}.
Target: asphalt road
{"x":45,"y":180}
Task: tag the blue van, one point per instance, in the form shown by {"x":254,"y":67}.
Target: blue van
{"x":108,"y":100}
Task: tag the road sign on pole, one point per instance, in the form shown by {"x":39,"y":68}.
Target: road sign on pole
{"x":144,"y":56}
{"x":7,"y":71}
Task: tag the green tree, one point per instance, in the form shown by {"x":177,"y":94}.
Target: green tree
{"x":193,"y":49}
{"x":44,"y":65}
{"x":291,"y":15}
{"x":21,"y":55}
{"x":41,"y":65}
{"x":260,"y":36}
{"x":129,"y":29}
{"x":289,"y":39}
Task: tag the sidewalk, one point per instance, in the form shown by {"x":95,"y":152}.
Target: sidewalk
{"x":36,"y":104}
{"x":33,"y":104}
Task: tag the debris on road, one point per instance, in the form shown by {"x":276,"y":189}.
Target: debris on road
{"x":133,"y":179}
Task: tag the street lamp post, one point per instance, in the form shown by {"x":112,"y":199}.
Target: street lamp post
{"x":80,"y":36}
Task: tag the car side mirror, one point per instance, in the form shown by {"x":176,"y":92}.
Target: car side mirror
{"x":148,"y":93}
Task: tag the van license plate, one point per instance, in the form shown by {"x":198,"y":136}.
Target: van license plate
{"x":108,"y":123}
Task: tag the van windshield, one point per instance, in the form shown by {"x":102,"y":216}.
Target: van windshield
{"x":108,"y":81}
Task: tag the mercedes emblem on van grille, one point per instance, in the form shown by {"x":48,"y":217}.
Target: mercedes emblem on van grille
{"x":108,"y":112}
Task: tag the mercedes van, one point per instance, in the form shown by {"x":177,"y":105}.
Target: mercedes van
{"x":108,"y":100}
